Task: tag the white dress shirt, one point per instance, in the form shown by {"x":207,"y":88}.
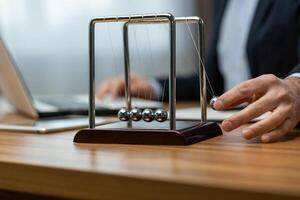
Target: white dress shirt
{"x":231,"y":48}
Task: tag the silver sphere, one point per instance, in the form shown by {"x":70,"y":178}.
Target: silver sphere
{"x":212,"y":102}
{"x":123,"y":114}
{"x":136,"y":114}
{"x":148,"y":115}
{"x":161,"y":115}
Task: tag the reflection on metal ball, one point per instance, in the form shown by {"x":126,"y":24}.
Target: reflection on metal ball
{"x":136,"y":114}
{"x":123,"y":114}
{"x":161,"y":115}
{"x":148,"y":115}
{"x":212,"y":102}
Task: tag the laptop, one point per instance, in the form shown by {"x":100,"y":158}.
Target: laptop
{"x":18,"y":94}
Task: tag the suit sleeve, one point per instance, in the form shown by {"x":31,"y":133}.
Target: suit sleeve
{"x":187,"y":88}
{"x":296,"y":69}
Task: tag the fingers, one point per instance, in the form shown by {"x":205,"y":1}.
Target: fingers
{"x":277,"y":117}
{"x":143,"y":90}
{"x":252,"y":111}
{"x":102,"y":91}
{"x":140,"y":87}
{"x":244,"y":91}
{"x":118,"y":89}
{"x":275,"y":134}
{"x":266,"y":93}
{"x":237,"y":103}
{"x":114,"y":87}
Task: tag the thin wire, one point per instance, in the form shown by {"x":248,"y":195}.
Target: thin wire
{"x":165,"y":80}
{"x":145,"y":92}
{"x":150,"y":50}
{"x":112,"y":47}
{"x":163,"y":90}
{"x":210,"y":90}
{"x":138,"y":55}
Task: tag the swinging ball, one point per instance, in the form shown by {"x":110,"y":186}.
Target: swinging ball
{"x":123,"y":114}
{"x":136,"y":114}
{"x":148,"y":115}
{"x":161,"y":115}
{"x":212,"y":102}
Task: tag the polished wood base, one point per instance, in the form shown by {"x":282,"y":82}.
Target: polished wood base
{"x":155,"y":133}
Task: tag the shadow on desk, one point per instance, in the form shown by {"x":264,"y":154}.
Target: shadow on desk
{"x":10,"y":195}
{"x":231,"y":137}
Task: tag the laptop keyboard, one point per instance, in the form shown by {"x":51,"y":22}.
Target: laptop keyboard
{"x":66,"y":104}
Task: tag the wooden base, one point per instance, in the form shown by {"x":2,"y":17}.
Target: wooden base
{"x":188,"y":132}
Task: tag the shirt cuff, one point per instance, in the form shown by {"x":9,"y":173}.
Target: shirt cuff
{"x":297,"y":75}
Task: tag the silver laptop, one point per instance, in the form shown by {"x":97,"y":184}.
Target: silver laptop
{"x":17,"y":93}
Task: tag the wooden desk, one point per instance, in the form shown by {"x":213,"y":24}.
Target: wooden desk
{"x":225,"y":167}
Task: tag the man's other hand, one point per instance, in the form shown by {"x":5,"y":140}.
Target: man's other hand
{"x":140,"y":87}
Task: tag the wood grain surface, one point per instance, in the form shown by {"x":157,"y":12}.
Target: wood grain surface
{"x":225,"y":167}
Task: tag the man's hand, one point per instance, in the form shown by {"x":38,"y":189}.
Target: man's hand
{"x":140,"y":87}
{"x":265,"y":93}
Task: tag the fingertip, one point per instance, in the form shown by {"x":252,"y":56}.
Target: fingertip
{"x":99,"y":95}
{"x":227,"y":125}
{"x":114,"y":95}
{"x":218,"y":105}
{"x":248,"y":134}
{"x":265,"y":138}
{"x":114,"y":92}
{"x":102,"y":93}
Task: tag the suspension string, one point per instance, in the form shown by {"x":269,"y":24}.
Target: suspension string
{"x":161,"y":99}
{"x":145,"y":92}
{"x":210,"y":89}
{"x":165,"y":80}
{"x":150,"y":50}
{"x":138,"y":55}
{"x":212,"y":93}
{"x":111,"y":46}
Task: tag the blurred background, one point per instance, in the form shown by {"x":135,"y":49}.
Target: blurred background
{"x":48,"y":40}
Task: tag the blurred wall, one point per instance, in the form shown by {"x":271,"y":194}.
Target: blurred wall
{"x":49,"y":40}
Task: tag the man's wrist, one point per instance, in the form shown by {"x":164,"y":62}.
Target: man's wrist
{"x":293,"y":84}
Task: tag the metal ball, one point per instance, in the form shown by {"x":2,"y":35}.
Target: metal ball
{"x":161,"y":115}
{"x":148,"y":115}
{"x":212,"y":102}
{"x":136,"y":114}
{"x":123,"y":114}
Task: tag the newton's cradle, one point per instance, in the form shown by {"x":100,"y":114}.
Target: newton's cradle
{"x":149,"y":127}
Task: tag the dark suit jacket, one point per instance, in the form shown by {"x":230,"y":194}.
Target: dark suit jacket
{"x":273,"y":45}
